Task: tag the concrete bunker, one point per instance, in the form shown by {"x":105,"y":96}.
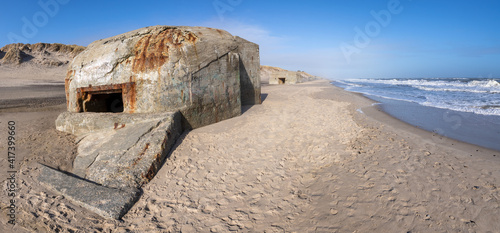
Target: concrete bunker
{"x":129,"y":97}
{"x":205,"y":73}
{"x":282,"y":77}
{"x":276,"y":75}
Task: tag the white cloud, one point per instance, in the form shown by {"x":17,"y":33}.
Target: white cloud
{"x":292,"y":53}
{"x":253,"y":33}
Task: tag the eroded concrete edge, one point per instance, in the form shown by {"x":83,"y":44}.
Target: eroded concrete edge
{"x":110,"y":202}
{"x":105,"y":201}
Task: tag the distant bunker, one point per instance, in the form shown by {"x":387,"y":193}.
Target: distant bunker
{"x":129,"y":97}
{"x":276,"y":75}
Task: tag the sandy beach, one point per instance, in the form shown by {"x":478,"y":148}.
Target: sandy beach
{"x":311,"y":158}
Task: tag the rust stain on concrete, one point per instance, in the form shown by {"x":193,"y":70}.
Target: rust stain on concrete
{"x":219,"y":31}
{"x":152,"y":51}
{"x":118,"y":126}
{"x":67,"y":82}
{"x":153,"y":169}
{"x":140,"y":155}
{"x":129,"y":96}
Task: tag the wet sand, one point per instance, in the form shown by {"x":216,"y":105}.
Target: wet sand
{"x":306,"y":160}
{"x":482,"y":130}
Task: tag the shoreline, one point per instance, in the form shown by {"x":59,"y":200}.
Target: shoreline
{"x":304,"y":160}
{"x":447,"y":130}
{"x":371,"y":110}
{"x":385,"y":118}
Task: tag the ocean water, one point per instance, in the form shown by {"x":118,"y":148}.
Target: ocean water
{"x":466,"y":109}
{"x":480,"y":96}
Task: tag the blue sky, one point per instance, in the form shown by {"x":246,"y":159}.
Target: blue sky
{"x":336,"y":39}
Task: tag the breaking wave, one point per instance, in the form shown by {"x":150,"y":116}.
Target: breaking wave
{"x":480,"y":96}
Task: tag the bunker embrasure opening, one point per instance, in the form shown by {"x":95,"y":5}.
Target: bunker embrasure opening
{"x":103,"y":101}
{"x":112,"y":98}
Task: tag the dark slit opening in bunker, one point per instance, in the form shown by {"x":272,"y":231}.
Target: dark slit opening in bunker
{"x":112,"y":102}
{"x":281,"y":80}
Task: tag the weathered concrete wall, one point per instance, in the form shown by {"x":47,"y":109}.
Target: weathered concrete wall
{"x":83,"y":123}
{"x":164,"y":69}
{"x":121,"y":149}
{"x":249,"y":72}
{"x":105,"y":201}
{"x":213,"y":93}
